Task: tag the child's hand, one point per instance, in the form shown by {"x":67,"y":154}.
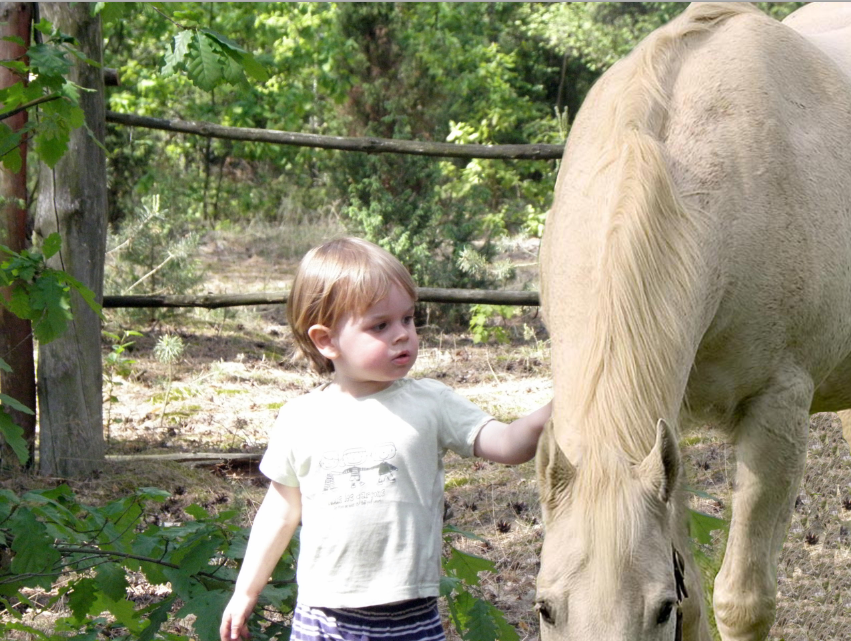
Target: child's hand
{"x":235,"y":619}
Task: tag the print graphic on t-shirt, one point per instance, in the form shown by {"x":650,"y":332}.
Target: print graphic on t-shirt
{"x":359,"y":467}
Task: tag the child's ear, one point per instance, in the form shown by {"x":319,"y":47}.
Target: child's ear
{"x":323,"y":340}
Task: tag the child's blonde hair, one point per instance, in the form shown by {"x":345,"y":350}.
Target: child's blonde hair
{"x":346,"y":275}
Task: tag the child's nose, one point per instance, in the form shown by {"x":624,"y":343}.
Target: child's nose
{"x":403,"y":332}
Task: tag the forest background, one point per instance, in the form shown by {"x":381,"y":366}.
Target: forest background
{"x":495,"y":73}
{"x":487,"y":73}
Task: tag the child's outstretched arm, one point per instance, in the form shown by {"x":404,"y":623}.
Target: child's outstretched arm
{"x":512,"y":443}
{"x":276,"y":520}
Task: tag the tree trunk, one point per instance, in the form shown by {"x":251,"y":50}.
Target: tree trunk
{"x":16,"y":344}
{"x":72,"y":201}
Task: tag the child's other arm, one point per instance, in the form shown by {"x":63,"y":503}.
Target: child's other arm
{"x":277,"y":518}
{"x":515,"y":442}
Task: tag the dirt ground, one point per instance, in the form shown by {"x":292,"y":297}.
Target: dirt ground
{"x":238,"y":367}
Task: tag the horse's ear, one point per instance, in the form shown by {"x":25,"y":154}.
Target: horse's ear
{"x":555,"y":472}
{"x":660,"y":469}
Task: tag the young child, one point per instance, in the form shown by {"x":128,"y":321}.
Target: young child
{"x":359,"y":461}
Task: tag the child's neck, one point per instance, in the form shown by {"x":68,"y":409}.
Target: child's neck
{"x":358,"y":389}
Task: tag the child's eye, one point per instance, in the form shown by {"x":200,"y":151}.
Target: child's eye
{"x":408,"y":320}
{"x":380,"y":327}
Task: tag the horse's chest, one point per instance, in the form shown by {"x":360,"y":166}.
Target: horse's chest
{"x":725,"y":372}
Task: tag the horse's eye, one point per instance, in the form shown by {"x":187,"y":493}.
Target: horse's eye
{"x":543,"y":611}
{"x":665,"y":612}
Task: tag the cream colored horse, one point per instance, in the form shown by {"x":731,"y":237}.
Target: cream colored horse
{"x":696,"y":268}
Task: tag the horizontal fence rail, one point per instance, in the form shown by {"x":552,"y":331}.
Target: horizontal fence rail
{"x":367,"y":145}
{"x":425,"y":295}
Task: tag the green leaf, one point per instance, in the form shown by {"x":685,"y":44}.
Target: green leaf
{"x":48,"y":60}
{"x":232,"y":70}
{"x":14,"y":404}
{"x":51,"y":146}
{"x":26,"y":629}
{"x":19,"y":303}
{"x":467,"y":566}
{"x":150,"y":493}
{"x":15,"y":65}
{"x":701,"y":493}
{"x":181,"y":44}
{"x":197,"y":557}
{"x":112,"y":580}
{"x":197,"y":512}
{"x":85,"y":293}
{"x":51,"y":245}
{"x":12,"y":161}
{"x":112,"y":11}
{"x":123,"y":610}
{"x":13,"y":96}
{"x":207,"y":607}
{"x":44,"y":26}
{"x":246,"y":61}
{"x":16,"y":39}
{"x":485,"y":623}
{"x":13,"y":435}
{"x":254,"y":69}
{"x":449,"y":584}
{"x":51,"y":299}
{"x":279,"y":597}
{"x":451,"y":529}
{"x":82,"y":598}
{"x":33,"y":548}
{"x":158,"y":615}
{"x":204,"y":68}
{"x":9,"y":139}
{"x":701,"y":526}
{"x":148,"y":544}
{"x":5,"y":366}
{"x":225,"y":42}
{"x":169,"y":66}
{"x":76,"y":117}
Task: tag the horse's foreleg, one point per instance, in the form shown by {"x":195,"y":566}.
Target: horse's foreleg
{"x":771,"y":444}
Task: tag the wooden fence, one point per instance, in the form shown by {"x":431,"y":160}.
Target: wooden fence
{"x":366,"y":145}
{"x":425,"y":295}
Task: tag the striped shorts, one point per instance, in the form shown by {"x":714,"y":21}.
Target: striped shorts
{"x":415,"y":620}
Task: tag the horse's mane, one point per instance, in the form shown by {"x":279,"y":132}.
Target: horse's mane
{"x":636,"y":364}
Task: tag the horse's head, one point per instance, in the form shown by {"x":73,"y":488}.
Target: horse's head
{"x":609,"y":567}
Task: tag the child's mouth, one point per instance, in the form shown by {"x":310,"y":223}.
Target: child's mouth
{"x":402,"y":359}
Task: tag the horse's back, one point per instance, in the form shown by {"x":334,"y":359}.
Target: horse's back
{"x":773,"y":158}
{"x":757,"y":139}
{"x":828,"y":26}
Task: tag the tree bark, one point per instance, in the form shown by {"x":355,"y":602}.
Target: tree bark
{"x":16,"y":343}
{"x":72,"y":201}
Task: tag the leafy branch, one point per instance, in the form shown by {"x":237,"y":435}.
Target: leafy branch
{"x":85,"y":553}
{"x":473,"y":617}
{"x":50,"y":89}
{"x":29,"y":105}
{"x":208,"y":59}
{"x":43,"y":296}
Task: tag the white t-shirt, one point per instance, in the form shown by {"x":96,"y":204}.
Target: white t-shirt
{"x":370,"y":471}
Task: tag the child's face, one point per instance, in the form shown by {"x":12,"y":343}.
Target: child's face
{"x":374,"y":349}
